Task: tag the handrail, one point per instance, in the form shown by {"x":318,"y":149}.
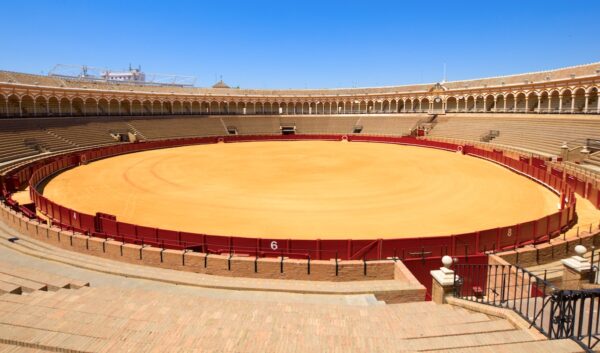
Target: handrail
{"x":555,"y":312}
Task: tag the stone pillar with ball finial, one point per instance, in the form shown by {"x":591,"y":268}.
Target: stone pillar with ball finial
{"x":576,"y":269}
{"x":443,"y":281}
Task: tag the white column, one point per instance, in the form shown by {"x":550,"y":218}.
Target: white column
{"x":549,"y":103}
{"x":587,"y":99}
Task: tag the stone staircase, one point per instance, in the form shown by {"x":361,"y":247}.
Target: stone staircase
{"x":143,"y":316}
{"x":116,"y":319}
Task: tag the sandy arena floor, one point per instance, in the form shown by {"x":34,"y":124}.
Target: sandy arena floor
{"x":309,"y":189}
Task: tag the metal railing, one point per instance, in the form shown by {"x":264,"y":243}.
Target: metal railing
{"x":556,"y":313}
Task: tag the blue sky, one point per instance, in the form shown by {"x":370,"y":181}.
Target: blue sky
{"x":302,"y":44}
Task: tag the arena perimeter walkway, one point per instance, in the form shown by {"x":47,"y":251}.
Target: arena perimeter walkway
{"x":304,"y":189}
{"x":118,"y":314}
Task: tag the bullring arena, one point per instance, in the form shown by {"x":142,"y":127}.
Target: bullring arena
{"x":458,"y":216}
{"x":304,"y":189}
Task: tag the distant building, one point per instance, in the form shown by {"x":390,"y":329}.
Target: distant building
{"x":133,"y":75}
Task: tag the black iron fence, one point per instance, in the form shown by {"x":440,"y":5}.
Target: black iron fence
{"x":556,"y":313}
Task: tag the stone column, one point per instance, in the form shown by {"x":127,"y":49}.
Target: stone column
{"x":443,"y":281}
{"x":587,"y":102}
{"x":576,"y":269}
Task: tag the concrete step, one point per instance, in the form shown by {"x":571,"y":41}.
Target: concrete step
{"x":27,"y":285}
{"x":9,"y":288}
{"x":554,"y":346}
{"x":48,"y":340}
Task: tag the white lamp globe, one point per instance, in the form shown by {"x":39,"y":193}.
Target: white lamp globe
{"x":447,"y":261}
{"x":580,"y":250}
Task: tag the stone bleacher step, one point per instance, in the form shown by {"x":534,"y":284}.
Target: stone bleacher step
{"x":9,"y":348}
{"x":553,"y":346}
{"x":26,"y":285}
{"x":468,"y":340}
{"x":48,"y":340}
{"x":52,"y":281}
{"x":9,"y":288}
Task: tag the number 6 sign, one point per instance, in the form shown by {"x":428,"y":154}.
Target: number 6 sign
{"x":274,"y":245}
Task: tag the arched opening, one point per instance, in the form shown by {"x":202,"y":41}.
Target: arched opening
{"x":593,"y":100}
{"x":400,"y":107}
{"x":259,"y":108}
{"x":579,"y":101}
{"x":532,"y":102}
{"x":567,"y":100}
{"x":65,"y":106}
{"x":125,"y":107}
{"x":77,"y":108}
{"x":510,"y":103}
{"x":177,"y":107}
{"x":241,"y":106}
{"x":196,"y":107}
{"x":103,"y":107}
{"x":520,"y":103}
{"x":41,"y":106}
{"x":113,"y":107}
{"x":250,"y":108}
{"x":279,"y":108}
{"x":27,"y":106}
{"x":451,"y":104}
{"x":167,"y":108}
{"x":231,"y":108}
{"x":90,"y":107}
{"x":500,"y":103}
{"x":136,"y":107}
{"x":187,"y":107}
{"x":470,"y":103}
{"x":14,"y":106}
{"x":385,"y":106}
{"x":303,"y":109}
{"x":53,"y":106}
{"x":362,"y":107}
{"x":224,"y":108}
{"x":214,"y":108}
{"x":147,"y":108}
{"x":156,"y":108}
{"x":267,"y":108}
{"x":479,"y":104}
{"x":554,"y":102}
{"x":543,"y":103}
{"x":320,"y":108}
{"x":3,"y":106}
{"x":205,"y":108}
